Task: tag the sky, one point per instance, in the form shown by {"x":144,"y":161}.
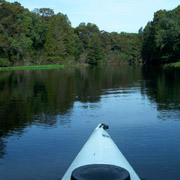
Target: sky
{"x":108,"y":15}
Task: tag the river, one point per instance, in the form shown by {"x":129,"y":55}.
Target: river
{"x":46,"y":116}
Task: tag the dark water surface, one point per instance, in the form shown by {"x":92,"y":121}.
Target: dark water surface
{"x":47,"y":115}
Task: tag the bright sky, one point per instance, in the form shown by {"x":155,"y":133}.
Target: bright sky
{"x":108,"y":15}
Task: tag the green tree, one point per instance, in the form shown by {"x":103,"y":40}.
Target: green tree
{"x":161,"y":42}
{"x":89,"y":36}
{"x":60,"y":43}
{"x":8,"y":16}
{"x":95,"y":53}
{"x":22,"y":34}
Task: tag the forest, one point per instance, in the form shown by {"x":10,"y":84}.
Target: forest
{"x":161,"y":38}
{"x":42,"y":37}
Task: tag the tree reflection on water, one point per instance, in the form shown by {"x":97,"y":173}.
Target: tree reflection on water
{"x":38,"y":97}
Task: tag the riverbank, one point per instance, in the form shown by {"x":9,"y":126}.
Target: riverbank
{"x":31,"y":67}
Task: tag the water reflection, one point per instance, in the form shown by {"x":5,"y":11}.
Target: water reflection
{"x":42,"y":97}
{"x":163,"y":88}
{"x":2,"y":148}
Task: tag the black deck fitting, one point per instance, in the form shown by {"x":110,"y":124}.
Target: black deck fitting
{"x":104,"y":126}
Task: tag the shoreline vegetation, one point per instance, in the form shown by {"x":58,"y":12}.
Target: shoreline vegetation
{"x":38,"y":67}
{"x":41,"y":37}
{"x":32,"y":67}
{"x":54,"y":66}
{"x":48,"y":66}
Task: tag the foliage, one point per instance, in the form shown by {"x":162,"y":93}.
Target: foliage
{"x":43,"y":37}
{"x":45,"y":13}
{"x":161,"y":42}
{"x":60,"y":39}
{"x":91,"y":45}
{"x":123,"y":47}
{"x":4,"y":62}
{"x":22,"y":33}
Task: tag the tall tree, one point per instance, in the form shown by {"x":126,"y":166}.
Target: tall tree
{"x":89,"y":35}
{"x":60,"y":39}
{"x":95,"y":52}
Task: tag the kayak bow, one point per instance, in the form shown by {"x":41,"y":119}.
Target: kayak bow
{"x":100,"y":159}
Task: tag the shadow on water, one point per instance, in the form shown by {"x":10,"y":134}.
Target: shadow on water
{"x":37,"y":97}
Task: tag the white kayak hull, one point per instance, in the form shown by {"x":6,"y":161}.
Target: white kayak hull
{"x":100,"y":149}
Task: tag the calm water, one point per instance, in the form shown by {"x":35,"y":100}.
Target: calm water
{"x":47,"y":115}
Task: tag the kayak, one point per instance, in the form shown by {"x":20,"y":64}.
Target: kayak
{"x":100,"y":159}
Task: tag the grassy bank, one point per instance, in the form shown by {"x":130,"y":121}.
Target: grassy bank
{"x":172,"y":65}
{"x":31,"y":67}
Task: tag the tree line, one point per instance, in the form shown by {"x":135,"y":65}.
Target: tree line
{"x":43,"y":37}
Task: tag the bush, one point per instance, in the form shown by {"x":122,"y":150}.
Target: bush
{"x":4,"y":62}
